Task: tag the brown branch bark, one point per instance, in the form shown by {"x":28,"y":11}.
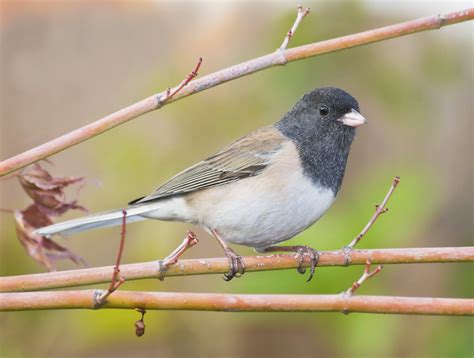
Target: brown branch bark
{"x":237,"y":302}
{"x":144,"y":270}
{"x":274,"y":59}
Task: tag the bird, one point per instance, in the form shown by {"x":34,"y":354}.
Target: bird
{"x":262,"y":189}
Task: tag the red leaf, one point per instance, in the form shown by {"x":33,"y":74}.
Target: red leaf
{"x":47,"y":191}
{"x":44,"y":251}
{"x":49,"y":199}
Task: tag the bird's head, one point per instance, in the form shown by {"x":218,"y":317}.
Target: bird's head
{"x":323,"y":113}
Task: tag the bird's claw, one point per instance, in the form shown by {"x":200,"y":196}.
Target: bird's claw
{"x":301,"y":251}
{"x":314,"y":259}
{"x":236,"y":265}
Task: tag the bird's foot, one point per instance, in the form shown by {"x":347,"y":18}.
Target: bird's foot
{"x":236,"y":265}
{"x":314,"y":259}
{"x":302,"y":251}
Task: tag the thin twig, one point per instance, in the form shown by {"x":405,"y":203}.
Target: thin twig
{"x":208,"y":266}
{"x":238,"y":302}
{"x":170,"y":93}
{"x":276,"y":58}
{"x":365,"y":276}
{"x":379,"y":210}
{"x":300,"y":14}
{"x":189,"y":241}
{"x":115,"y":283}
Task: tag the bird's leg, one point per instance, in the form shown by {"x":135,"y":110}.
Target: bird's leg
{"x":236,"y":264}
{"x":301,"y":250}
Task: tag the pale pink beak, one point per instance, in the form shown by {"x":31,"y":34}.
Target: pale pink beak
{"x":353,"y":119}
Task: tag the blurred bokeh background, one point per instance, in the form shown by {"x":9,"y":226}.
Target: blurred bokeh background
{"x":67,"y":63}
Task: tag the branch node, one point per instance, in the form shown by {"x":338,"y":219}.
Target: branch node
{"x":442,"y":20}
{"x":189,"y":241}
{"x":346,"y":251}
{"x":97,"y":302}
{"x":365,"y":276}
{"x":345,"y":311}
{"x":170,"y":93}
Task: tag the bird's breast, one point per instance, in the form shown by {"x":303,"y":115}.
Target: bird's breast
{"x":265,"y":209}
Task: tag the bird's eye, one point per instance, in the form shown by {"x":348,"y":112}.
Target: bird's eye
{"x":323,"y":110}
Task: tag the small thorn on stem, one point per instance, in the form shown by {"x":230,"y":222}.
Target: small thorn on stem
{"x":170,"y":93}
{"x":300,"y":14}
{"x":365,"y":276}
{"x":189,"y":241}
{"x":382,"y":211}
{"x":379,"y":210}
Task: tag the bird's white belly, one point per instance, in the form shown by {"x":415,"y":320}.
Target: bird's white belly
{"x":259,"y":218}
{"x":266,"y":209}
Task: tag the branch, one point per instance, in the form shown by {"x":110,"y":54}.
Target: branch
{"x":274,"y":59}
{"x":300,"y":14}
{"x":365,"y":276}
{"x":238,"y":303}
{"x":379,"y":210}
{"x":189,"y":241}
{"x":169,"y":94}
{"x":144,"y":270}
{"x":116,"y":282}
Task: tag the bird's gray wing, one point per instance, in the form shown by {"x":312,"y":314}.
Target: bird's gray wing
{"x":246,"y":157}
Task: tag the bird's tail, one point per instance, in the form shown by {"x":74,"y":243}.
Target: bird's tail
{"x":99,"y":220}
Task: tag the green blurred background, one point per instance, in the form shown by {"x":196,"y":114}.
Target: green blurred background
{"x":65,"y":64}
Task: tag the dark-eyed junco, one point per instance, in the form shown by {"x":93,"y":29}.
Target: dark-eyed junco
{"x":262,"y":189}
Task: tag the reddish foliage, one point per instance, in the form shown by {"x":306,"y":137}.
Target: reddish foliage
{"x":46,"y":191}
{"x":44,"y":251}
{"x":49,"y":200}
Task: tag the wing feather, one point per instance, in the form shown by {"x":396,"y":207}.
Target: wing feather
{"x":247,"y":156}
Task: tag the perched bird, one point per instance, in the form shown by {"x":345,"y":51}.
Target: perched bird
{"x":260,"y":190}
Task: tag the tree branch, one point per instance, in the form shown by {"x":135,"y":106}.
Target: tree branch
{"x":189,"y":241}
{"x":274,"y":59}
{"x":170,"y":93}
{"x":367,"y":274}
{"x":379,"y":210}
{"x":300,"y":14}
{"x":144,"y":270}
{"x":116,"y":282}
{"x":238,"y":303}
